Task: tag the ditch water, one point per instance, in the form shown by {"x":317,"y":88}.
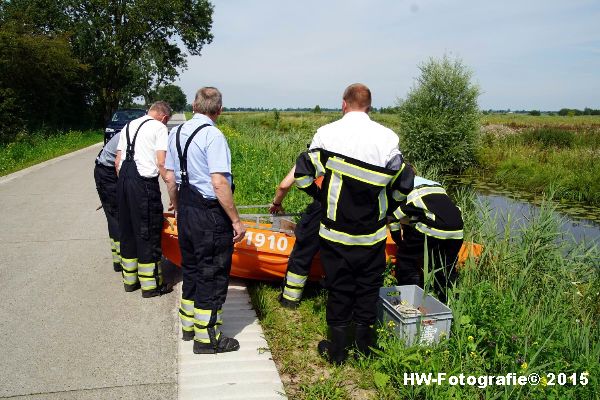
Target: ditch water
{"x":580,"y":222}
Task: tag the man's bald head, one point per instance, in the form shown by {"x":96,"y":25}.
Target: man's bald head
{"x":357,"y":97}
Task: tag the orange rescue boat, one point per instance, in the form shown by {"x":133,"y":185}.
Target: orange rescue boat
{"x":264,"y":252}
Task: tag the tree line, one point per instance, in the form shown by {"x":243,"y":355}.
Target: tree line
{"x":66,"y":63}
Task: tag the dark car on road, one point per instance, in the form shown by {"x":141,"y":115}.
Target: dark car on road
{"x":119,"y":119}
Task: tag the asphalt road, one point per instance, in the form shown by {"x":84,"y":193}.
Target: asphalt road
{"x":69,"y":330}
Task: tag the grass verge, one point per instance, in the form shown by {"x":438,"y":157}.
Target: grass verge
{"x":37,"y":147}
{"x":527,"y":306}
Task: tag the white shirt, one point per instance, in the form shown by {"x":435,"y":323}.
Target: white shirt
{"x":152,"y":137}
{"x":356,"y":136}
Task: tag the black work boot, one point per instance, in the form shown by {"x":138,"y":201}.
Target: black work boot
{"x":131,"y":288}
{"x":335,"y":350}
{"x":159,"y":291}
{"x":117,"y":267}
{"x":290,"y":304}
{"x":363,"y":338}
{"x":222,"y":345}
{"x":186,"y":336}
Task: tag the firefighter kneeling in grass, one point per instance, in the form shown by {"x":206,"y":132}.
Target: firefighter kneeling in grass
{"x":434,"y":228}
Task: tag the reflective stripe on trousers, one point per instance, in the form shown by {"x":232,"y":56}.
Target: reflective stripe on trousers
{"x":186,"y":314}
{"x":130,"y":266}
{"x":294,"y":286}
{"x":203,"y":322}
{"x":115,"y":249}
{"x":147,"y":274}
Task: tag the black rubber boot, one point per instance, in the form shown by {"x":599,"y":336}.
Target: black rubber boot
{"x":186,"y":336}
{"x":223,"y":345}
{"x":117,"y":267}
{"x":131,"y":288}
{"x":159,"y":291}
{"x":289,"y":304}
{"x":335,"y":350}
{"x":364,"y":339}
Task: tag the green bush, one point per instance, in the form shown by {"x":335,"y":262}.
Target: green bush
{"x":440,"y":118}
{"x":549,"y":137}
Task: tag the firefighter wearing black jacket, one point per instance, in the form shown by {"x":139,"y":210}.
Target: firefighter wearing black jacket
{"x":305,"y":247}
{"x":105,"y":176}
{"x":434,"y":223}
{"x":361,"y":165}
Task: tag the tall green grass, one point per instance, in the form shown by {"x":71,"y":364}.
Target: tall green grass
{"x":33,"y":148}
{"x":537,"y":160}
{"x":528,"y":305}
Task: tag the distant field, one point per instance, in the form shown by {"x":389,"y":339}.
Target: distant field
{"x":523,"y":121}
{"x":523,"y":152}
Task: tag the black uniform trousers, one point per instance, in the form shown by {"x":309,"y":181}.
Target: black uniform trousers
{"x":410,"y":259}
{"x":140,"y":222}
{"x":206,"y":244}
{"x":353,"y":276}
{"x":106,"y":185}
{"x":307,"y":240}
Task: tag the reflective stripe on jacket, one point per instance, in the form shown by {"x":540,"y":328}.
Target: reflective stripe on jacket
{"x":354,"y":194}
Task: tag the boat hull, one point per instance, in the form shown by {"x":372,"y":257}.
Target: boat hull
{"x":263,"y":254}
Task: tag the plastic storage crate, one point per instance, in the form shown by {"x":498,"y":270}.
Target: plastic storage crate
{"x":434,"y":320}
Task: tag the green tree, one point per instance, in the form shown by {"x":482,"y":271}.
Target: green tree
{"x":535,"y":113}
{"x":39,"y":82}
{"x":317,"y":109}
{"x":439,"y":120}
{"x":123,"y":42}
{"x":173,"y":95}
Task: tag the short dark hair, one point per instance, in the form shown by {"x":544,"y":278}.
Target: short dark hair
{"x":358,"y":96}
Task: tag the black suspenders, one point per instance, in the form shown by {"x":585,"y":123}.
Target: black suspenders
{"x":183,"y":157}
{"x":131,"y":145}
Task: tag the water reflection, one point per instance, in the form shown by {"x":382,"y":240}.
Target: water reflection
{"x":580,"y":220}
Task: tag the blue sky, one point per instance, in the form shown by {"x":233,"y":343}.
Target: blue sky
{"x":528,"y":54}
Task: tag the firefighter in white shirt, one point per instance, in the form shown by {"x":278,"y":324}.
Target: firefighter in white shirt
{"x":140,"y":159}
{"x":362,"y":166}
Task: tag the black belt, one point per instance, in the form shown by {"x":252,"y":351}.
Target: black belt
{"x":152,"y":179}
{"x":99,"y":164}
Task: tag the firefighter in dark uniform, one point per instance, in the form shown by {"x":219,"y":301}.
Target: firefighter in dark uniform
{"x":142,"y":149}
{"x":208,"y":223}
{"x":433,"y":222}
{"x":105,"y":176}
{"x":361,"y":165}
{"x":305,"y":247}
